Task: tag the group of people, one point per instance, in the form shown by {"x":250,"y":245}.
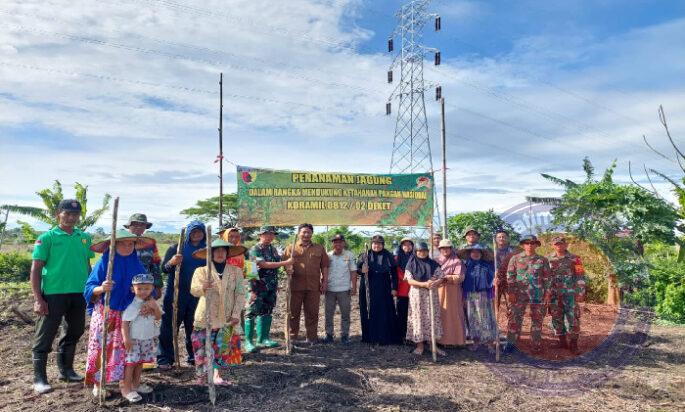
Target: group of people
{"x":411,"y":295}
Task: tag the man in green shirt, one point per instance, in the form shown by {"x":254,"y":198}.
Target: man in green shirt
{"x":61,"y":264}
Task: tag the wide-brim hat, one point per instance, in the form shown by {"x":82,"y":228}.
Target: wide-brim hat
{"x":464,"y":252}
{"x":445,"y":243}
{"x":470,"y":229}
{"x":233,"y":250}
{"x":226,"y":228}
{"x":530,"y":239}
{"x":406,"y":239}
{"x":140,"y":218}
{"x":142,"y":242}
{"x":267,"y":229}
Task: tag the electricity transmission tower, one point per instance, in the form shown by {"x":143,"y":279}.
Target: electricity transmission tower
{"x":411,"y":151}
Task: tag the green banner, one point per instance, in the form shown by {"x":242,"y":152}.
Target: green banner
{"x":288,"y":198}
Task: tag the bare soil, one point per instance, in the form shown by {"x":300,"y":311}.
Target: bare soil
{"x":360,"y":377}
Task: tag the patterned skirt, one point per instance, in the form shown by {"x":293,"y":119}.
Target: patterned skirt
{"x":419,"y":323}
{"x":482,"y":325}
{"x":116,"y":352}
{"x":225,"y":345}
{"x":142,"y":351}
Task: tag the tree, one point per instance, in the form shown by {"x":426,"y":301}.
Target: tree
{"x":207,"y":210}
{"x":678,"y":187}
{"x":51,"y":198}
{"x":618,"y":219}
{"x":27,"y":232}
{"x":355,"y":241}
{"x":484,"y":222}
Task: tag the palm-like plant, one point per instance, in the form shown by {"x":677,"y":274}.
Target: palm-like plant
{"x":51,"y":198}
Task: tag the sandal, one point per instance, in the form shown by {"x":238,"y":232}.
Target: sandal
{"x":96,"y":392}
{"x":440,"y":352}
{"x":144,"y":389}
{"x":417,"y":352}
{"x":220,"y":382}
{"x":164,"y":367}
{"x":133,"y":397}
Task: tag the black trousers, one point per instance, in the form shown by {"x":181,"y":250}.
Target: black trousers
{"x":186,"y":314}
{"x":402,"y":314}
{"x":67,"y":307}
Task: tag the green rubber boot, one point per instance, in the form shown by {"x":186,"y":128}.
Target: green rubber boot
{"x":249,"y":347}
{"x":263,"y":330}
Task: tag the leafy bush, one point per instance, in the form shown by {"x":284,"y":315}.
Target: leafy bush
{"x":14,"y":267}
{"x":664,"y":288}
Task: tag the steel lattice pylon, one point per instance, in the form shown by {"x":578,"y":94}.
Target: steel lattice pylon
{"x":411,"y":151}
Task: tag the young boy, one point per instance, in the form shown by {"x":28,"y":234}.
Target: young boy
{"x":140,"y":337}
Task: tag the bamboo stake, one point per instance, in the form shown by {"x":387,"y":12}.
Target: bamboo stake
{"x":496,"y":304}
{"x":367,"y":285}
{"x":434,"y":346}
{"x":174,"y":321}
{"x":209,"y":352}
{"x":105,"y":311}
{"x":288,"y":293}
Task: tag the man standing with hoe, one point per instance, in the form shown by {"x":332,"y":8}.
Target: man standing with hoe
{"x":308,"y":281}
{"x":61,"y":265}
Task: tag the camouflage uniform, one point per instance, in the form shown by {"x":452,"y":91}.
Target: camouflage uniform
{"x":568,"y":282}
{"x":266,"y":285}
{"x":528,"y":282}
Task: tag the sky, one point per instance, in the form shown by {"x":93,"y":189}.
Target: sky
{"x":122,"y":95}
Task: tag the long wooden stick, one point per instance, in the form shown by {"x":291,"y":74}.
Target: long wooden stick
{"x":367,"y":285}
{"x":105,"y":311}
{"x":496,"y":304}
{"x":174,"y":317}
{"x":288,"y":293}
{"x":434,"y":346}
{"x":209,"y":351}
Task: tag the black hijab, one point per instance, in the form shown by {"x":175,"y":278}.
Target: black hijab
{"x":422,"y":269}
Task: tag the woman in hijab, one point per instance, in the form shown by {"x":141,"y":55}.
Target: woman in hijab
{"x":379,"y":325}
{"x":424,"y":276}
{"x":126,"y":266}
{"x":479,"y":294}
{"x":405,"y":251}
{"x":195,"y":240}
{"x":227,"y":299}
{"x":451,"y":300}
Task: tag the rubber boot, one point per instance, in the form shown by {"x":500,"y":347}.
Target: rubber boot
{"x":263,"y":330}
{"x":40,"y":375}
{"x":65,"y":363}
{"x":249,"y":347}
{"x":573,"y":346}
{"x":563,"y":343}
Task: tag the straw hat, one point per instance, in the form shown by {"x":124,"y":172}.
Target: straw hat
{"x":445,"y":243}
{"x":233,"y":250}
{"x":142,"y":242}
{"x":466,"y":251}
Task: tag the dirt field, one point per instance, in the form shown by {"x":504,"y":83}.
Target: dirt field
{"x":360,"y":377}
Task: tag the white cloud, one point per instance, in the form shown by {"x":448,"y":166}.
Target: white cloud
{"x":130,"y":88}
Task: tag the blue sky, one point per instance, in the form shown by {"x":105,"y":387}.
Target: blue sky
{"x":122,"y":95}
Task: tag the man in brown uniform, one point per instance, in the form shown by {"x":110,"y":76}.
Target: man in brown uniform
{"x":308,"y":280}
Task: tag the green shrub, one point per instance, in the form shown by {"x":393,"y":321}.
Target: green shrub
{"x":14,"y":267}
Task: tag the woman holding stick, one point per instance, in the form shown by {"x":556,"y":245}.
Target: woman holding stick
{"x":424,"y":276}
{"x":479,"y":294}
{"x":126,"y":265}
{"x":194,"y":240}
{"x":226,"y":293}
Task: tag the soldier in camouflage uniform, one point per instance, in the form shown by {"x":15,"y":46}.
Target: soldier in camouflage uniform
{"x":568,"y":289}
{"x":262,"y":291}
{"x":528,"y":283}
